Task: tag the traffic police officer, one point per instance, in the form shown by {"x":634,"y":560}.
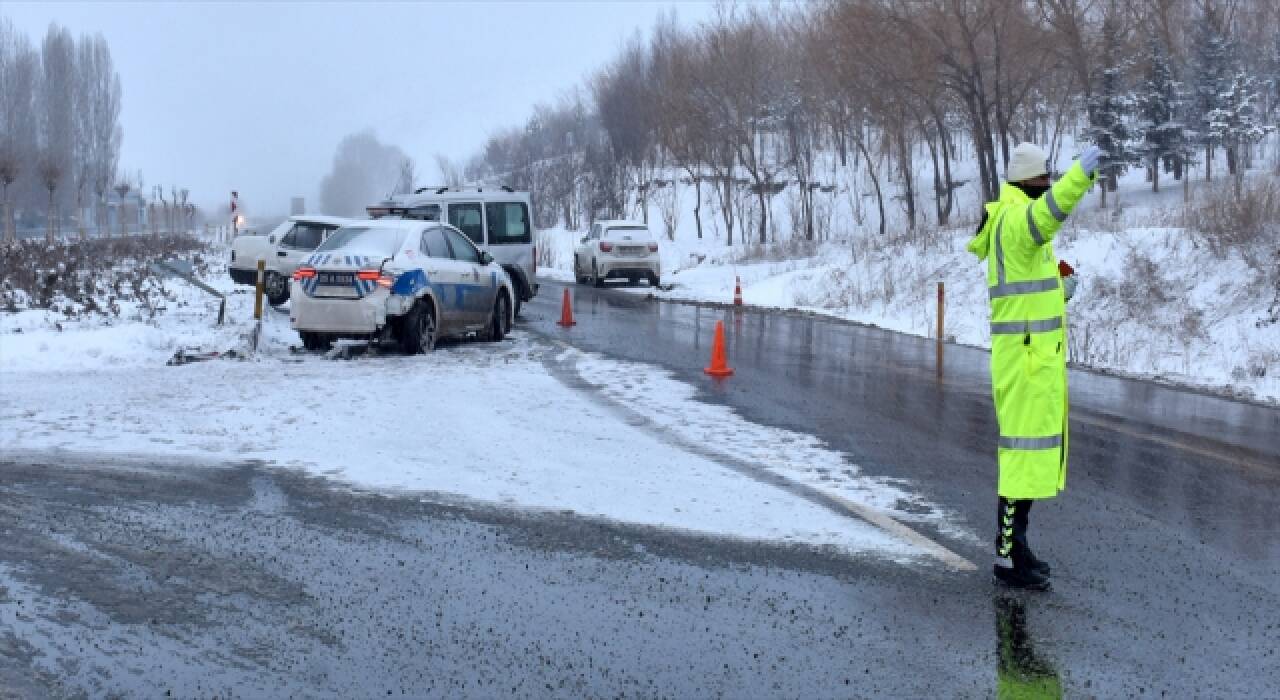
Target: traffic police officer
{"x":1028,"y":349}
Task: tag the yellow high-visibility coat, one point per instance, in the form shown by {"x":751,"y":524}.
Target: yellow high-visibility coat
{"x":1028,"y":333}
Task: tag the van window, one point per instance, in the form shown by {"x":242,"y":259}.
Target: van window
{"x":508,"y":223}
{"x":466,"y":218}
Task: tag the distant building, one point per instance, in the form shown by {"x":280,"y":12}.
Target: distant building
{"x":297,"y":206}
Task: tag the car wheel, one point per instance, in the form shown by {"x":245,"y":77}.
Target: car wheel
{"x":655,"y":281}
{"x":317,"y":342}
{"x":595,"y":275}
{"x":418,"y":329}
{"x":277,"y":288}
{"x":578,"y":277}
{"x":499,"y":320}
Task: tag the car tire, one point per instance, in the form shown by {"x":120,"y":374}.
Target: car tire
{"x":316,"y":342}
{"x":578,"y":277}
{"x":276,"y":288}
{"x":499,"y":320}
{"x":417,"y":330}
{"x":655,"y":281}
{"x":596,"y":279}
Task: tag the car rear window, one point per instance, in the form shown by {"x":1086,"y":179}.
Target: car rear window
{"x":508,"y":223}
{"x":366,"y":239}
{"x":636,"y":233}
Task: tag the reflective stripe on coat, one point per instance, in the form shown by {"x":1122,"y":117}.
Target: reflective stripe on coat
{"x":1028,"y":333}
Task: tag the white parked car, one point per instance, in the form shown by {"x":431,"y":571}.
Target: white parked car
{"x":497,"y":219}
{"x":617,"y":249}
{"x":282,"y":249}
{"x":407,"y":281}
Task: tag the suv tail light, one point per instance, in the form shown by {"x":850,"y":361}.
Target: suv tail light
{"x":304,"y":273}
{"x":605,"y":246}
{"x":653,"y":247}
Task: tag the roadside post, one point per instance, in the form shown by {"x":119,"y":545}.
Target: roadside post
{"x":257,"y":304}
{"x":942,"y":308}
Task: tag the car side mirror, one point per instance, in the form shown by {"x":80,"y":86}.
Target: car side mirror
{"x":485,"y":257}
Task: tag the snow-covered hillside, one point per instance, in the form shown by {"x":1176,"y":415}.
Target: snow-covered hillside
{"x":1153,"y":301}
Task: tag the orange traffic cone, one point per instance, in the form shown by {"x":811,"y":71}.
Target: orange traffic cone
{"x":566,"y":312}
{"x":737,"y":291}
{"x":719,"y":363}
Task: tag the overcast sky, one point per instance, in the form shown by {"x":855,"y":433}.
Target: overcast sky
{"x":255,"y":97}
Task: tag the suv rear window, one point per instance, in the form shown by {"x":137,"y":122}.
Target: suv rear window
{"x":508,"y":223}
{"x":375,"y":241}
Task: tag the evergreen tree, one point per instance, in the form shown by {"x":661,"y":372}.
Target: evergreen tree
{"x":1212,"y":60}
{"x":1234,"y":123}
{"x":1159,"y":109}
{"x":1110,"y":109}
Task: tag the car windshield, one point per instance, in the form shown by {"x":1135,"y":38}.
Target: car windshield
{"x":373,"y":240}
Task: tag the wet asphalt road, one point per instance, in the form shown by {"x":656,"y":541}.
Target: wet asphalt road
{"x":145,"y":578}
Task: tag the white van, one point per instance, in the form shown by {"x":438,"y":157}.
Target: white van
{"x":498,"y":220}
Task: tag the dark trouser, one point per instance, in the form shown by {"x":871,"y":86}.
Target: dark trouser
{"x":1012,"y":526}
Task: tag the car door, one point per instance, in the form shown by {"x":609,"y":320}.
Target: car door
{"x":297,"y":245}
{"x":477,"y":289}
{"x":582,"y":251}
{"x":444,"y":276}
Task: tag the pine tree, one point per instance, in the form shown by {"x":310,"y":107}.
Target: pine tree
{"x":1110,"y":109}
{"x":1212,"y":60}
{"x":1235,"y":124}
{"x":1159,"y":109}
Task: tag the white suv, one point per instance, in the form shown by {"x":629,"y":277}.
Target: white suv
{"x":619,"y":250}
{"x":497,"y":219}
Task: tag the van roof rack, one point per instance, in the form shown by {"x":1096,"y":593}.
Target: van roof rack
{"x":441,"y":189}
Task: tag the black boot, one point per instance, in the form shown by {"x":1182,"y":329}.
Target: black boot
{"x":1022,"y":550}
{"x":1012,"y":567}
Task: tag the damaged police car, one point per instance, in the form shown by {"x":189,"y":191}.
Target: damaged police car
{"x":404,"y":281}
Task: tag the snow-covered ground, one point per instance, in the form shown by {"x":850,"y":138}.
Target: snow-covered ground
{"x":472,"y":421}
{"x":1151,"y":302}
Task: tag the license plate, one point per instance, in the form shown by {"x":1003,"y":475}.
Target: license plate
{"x":341,"y":292}
{"x":335,"y":279}
{"x":632,"y":250}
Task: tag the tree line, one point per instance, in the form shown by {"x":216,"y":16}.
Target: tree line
{"x":60,"y":129}
{"x":758,"y":101}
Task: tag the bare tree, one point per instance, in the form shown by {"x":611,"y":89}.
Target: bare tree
{"x":449,"y":170}
{"x":365,"y":170}
{"x":404,"y":185}
{"x":56,"y":135}
{"x":18,"y":65}
{"x":122,"y":190}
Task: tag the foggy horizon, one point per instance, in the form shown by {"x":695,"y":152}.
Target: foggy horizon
{"x":231,"y":97}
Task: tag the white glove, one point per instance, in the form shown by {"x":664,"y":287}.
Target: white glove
{"x":1089,"y":159}
{"x":1069,"y":286}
